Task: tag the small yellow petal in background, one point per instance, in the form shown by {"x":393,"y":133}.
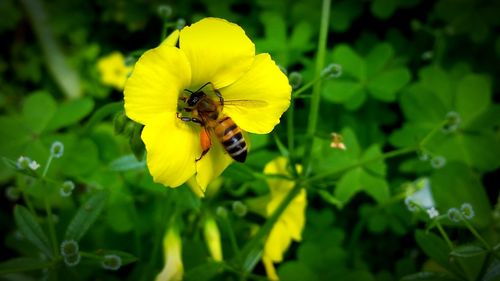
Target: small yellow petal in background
{"x":263,"y":82}
{"x":270,"y":270}
{"x":114,"y":72}
{"x":172,"y":147}
{"x":212,"y":164}
{"x":212,"y":238}
{"x":290,"y":224}
{"x":173,"y":269}
{"x":218,"y":51}
{"x":158,"y":78}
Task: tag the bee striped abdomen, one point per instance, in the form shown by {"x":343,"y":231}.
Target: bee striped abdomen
{"x":231,"y":138}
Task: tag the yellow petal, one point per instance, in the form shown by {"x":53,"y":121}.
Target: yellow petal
{"x":172,"y":39}
{"x":218,"y":51}
{"x":263,"y":82}
{"x":278,"y":241}
{"x":294,"y":216}
{"x":158,"y":78}
{"x":212,"y":164}
{"x":172,"y":147}
{"x":270,"y":270}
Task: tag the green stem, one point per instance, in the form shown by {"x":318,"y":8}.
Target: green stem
{"x":290,"y":130}
{"x":46,"y":169}
{"x":306,"y":87}
{"x":426,"y":139}
{"x":268,"y":225}
{"x":316,"y":92}
{"x":48,"y":210}
{"x":230,"y":234}
{"x":475,"y":233}
{"x":100,"y":114}
{"x":52,"y":230}
{"x":445,"y":236}
{"x":387,"y":155}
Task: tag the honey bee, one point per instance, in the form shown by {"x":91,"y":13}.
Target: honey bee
{"x":207,"y":112}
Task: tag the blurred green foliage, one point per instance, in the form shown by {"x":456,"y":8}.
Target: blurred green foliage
{"x":417,"y":97}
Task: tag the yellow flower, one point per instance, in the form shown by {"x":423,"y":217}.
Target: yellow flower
{"x":290,"y":224}
{"x":172,"y":252}
{"x":113,"y":70}
{"x":212,"y":238}
{"x":210,"y":51}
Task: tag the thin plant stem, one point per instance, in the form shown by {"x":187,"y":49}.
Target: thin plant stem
{"x":475,"y":233}
{"x":48,"y":210}
{"x":387,"y":155}
{"x":46,"y":169}
{"x":316,"y":91}
{"x":52,"y":231}
{"x":306,"y":87}
{"x":445,"y":236}
{"x":268,"y":225}
{"x":230,"y":234}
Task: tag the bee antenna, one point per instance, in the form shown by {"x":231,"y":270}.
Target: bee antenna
{"x":189,"y":91}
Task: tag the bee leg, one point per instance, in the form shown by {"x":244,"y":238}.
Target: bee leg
{"x":205,"y":142}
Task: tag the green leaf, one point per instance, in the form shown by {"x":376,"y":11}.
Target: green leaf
{"x":70,"y":113}
{"x":435,"y":79}
{"x":357,"y":180}
{"x":203,"y":272}
{"x":467,"y":251}
{"x":86,"y":215}
{"x":386,"y":85}
{"x":341,"y":91}
{"x":22,"y":264}
{"x":38,"y":109}
{"x":343,"y":13}
{"x":467,"y":188}
{"x":493,"y":271}
{"x":383,"y":9}
{"x":377,"y":167}
{"x":433,"y":246}
{"x":352,"y":64}
{"x":473,"y":96}
{"x":126,"y":163}
{"x":471,"y":258}
{"x":28,"y":225}
{"x":421,"y":106}
{"x":378,"y":58}
{"x":296,"y":271}
{"x":429,"y":276}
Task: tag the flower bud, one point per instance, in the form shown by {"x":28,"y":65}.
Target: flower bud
{"x":72,"y":260}
{"x":212,"y":238}
{"x":239,"y":208}
{"x":69,"y":247}
{"x":165,"y":11}
{"x":295,"y":79}
{"x":454,"y":215}
{"x":119,"y":122}
{"x":467,"y":211}
{"x":453,"y":121}
{"x":173,"y":269}
{"x":332,"y":70}
{"x":12,"y":193}
{"x":180,"y":23}
{"x":111,"y":262}
{"x":67,"y":188}
{"x":438,"y":162}
{"x":57,"y":149}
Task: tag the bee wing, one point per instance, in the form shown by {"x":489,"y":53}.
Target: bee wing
{"x":245,"y":103}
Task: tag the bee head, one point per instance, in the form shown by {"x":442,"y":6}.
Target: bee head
{"x":195,"y":97}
